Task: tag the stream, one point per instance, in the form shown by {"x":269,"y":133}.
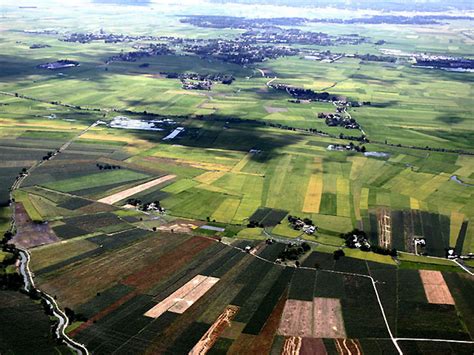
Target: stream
{"x":459,"y":181}
{"x":63,"y":320}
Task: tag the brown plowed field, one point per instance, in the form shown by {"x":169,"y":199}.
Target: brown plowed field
{"x":328,"y":322}
{"x":312,"y":346}
{"x":297,"y":319}
{"x":146,"y":277}
{"x":262,"y":343}
{"x":139,"y":265}
{"x":435,"y":287}
{"x":321,"y":318}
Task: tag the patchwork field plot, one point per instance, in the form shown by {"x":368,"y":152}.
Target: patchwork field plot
{"x":297,"y":319}
{"x":435,"y":287}
{"x":321,"y":318}
{"x":328,"y":322}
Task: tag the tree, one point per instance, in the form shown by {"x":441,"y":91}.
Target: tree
{"x":305,"y":246}
{"x":338,"y":253}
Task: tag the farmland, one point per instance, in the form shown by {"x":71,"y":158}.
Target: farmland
{"x":161,"y":216}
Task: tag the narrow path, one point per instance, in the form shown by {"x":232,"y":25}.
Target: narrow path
{"x":464,"y":267}
{"x":261,"y":72}
{"x":436,"y":340}
{"x":271,"y":81}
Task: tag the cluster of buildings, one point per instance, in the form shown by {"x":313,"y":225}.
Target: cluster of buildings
{"x":103,"y":36}
{"x":336,"y":119}
{"x":59,"y":64}
{"x":144,"y":51}
{"x":306,"y":225}
{"x":239,"y":51}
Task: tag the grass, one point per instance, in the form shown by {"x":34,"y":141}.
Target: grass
{"x":369,"y":256}
{"x":252,"y":234}
{"x":5,"y":213}
{"x":424,"y":259}
{"x":24,"y":198}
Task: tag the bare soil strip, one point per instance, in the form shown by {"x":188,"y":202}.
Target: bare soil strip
{"x":291,"y":346}
{"x":328,"y":322}
{"x":119,"y":196}
{"x":385,"y":228}
{"x":297,"y":319}
{"x":180,"y":300}
{"x":194,"y":295}
{"x":436,"y":290}
{"x":213,"y":333}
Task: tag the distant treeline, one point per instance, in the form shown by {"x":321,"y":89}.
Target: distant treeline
{"x":252,"y":23}
{"x":395,"y":5}
{"x":124,"y":2}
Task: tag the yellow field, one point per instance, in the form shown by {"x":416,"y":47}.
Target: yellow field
{"x":414,"y":204}
{"x":356,"y":191}
{"x":430,"y":186}
{"x":356,"y":167}
{"x":43,"y":124}
{"x":251,"y":233}
{"x":314,"y":193}
{"x":467,"y":165}
{"x":216,"y":189}
{"x":241,"y":164}
{"x":226,"y":211}
{"x":364,"y":199}
{"x":204,"y":166}
{"x":209,"y":177}
{"x":252,"y":199}
{"x":343,"y":203}
{"x":456,"y":222}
